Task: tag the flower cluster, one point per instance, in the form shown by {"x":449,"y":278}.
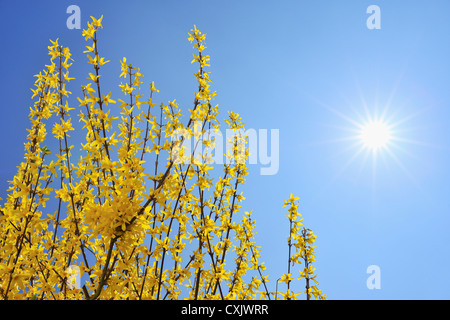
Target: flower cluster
{"x":302,"y":239}
{"x":135,"y":222}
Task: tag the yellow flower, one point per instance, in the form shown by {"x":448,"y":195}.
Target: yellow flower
{"x":286,"y":278}
{"x":102,"y":61}
{"x":63,"y":193}
{"x":152,"y":87}
{"x":58,"y":131}
{"x":290,"y":201}
{"x":92,"y":61}
{"x":289,"y":295}
{"x":89,"y":33}
{"x":124,"y":68}
{"x":93,"y":77}
{"x":97,"y":22}
{"x":90,"y":49}
{"x":107,"y":99}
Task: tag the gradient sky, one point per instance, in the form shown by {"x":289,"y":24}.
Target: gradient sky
{"x":311,"y":69}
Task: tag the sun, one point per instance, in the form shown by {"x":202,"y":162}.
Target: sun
{"x":371,"y":136}
{"x":375,"y":135}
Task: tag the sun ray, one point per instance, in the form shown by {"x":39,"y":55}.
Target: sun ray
{"x":341,"y":171}
{"x":404,"y":169}
{"x":351,"y":147}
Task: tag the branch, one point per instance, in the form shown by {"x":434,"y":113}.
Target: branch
{"x":104,"y":271}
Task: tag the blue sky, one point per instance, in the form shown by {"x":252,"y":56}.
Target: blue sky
{"x":311,"y":69}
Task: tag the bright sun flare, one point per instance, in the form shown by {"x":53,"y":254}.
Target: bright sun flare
{"x":375,"y":135}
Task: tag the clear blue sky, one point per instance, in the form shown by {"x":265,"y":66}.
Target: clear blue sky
{"x":305,"y":68}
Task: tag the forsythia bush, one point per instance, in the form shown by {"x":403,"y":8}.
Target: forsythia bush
{"x":167,"y":232}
